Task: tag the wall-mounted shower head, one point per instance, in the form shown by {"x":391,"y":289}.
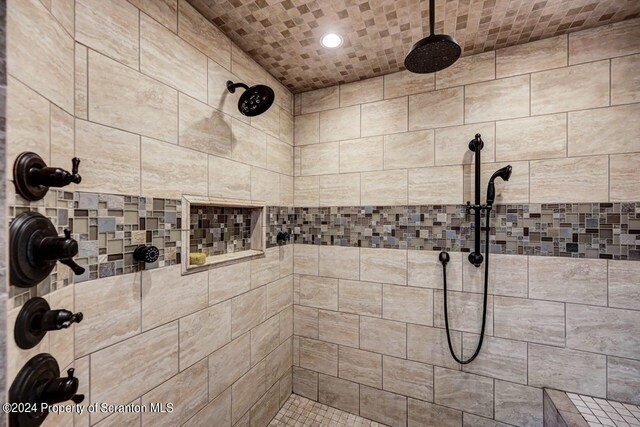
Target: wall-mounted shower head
{"x":505,"y":174}
{"x":255,"y":100}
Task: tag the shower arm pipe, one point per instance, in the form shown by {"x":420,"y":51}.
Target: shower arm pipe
{"x":432,"y":16}
{"x":476,"y":146}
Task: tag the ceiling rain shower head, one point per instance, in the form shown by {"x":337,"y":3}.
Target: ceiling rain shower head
{"x":255,"y":100}
{"x":434,"y":52}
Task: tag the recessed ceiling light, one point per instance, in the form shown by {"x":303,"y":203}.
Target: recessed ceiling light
{"x":331,"y":40}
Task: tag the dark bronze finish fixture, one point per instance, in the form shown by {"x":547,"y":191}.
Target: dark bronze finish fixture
{"x":148,"y":254}
{"x":36,"y":318}
{"x":282,"y":238}
{"x":38,"y":382}
{"x":35,"y":247}
{"x":255,"y":100}
{"x":32,"y":177}
{"x":476,"y":145}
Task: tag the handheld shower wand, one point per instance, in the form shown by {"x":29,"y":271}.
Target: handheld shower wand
{"x":505,"y":174}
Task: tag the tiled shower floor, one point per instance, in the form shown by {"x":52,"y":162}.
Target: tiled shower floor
{"x":300,"y":411}
{"x":600,"y":412}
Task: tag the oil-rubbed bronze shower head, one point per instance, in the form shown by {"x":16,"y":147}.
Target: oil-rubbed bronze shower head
{"x":255,"y":100}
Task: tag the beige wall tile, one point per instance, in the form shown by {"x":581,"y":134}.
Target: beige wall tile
{"x":467,"y":392}
{"x":130,"y":368}
{"x":269,"y":121}
{"x":286,"y":324}
{"x":320,"y":159}
{"x":452,"y":144}
{"x":385,"y":117}
{"x":427,"y":414}
{"x":341,"y":123}
{"x":306,"y":191}
{"x":218,"y":95}
{"x":467,"y":70}
{"x":286,"y":190}
{"x":408,"y":378}
{"x":81,"y":78}
{"x":64,"y":12}
{"x":576,"y":87}
{"x":518,"y":404}
{"x":286,"y":129}
{"x":383,"y":188}
{"x":110,"y":28}
{"x":187,"y":391}
{"x":360,"y":366}
{"x":623,"y":377}
{"x":319,"y":292}
{"x":265,"y":186}
{"x":407,"y":83}
{"x":62,"y":136}
{"x":163,"y":11}
{"x":286,"y":260}
{"x":340,"y":190}
{"x":437,"y":185}
{"x":531,"y":57}
{"x":125,"y":99}
{"x":166,"y":57}
{"x":187,"y":293}
{"x":110,"y":158}
{"x":305,"y":321}
{"x":508,"y":276}
{"x":203,"y":35}
{"x":583,"y":281}
{"x":570,"y":180}
{"x":436,"y":109}
{"x":516,"y":190}
{"x":625,"y":80}
{"x":616,"y":133}
{"x":42,"y":59}
{"x":266,"y":407}
{"x":111,"y":304}
{"x":228,"y":364}
{"x":305,"y":259}
{"x":203,"y":128}
{"x":229,"y":179}
{"x":247,"y":390}
{"x":340,"y":262}
{"x":284,"y":98}
{"x":243,"y":66}
{"x":429,"y":345}
{"x":567,"y":370}
{"x":383,"y":336}
{"x":305,"y":383}
{"x":541,"y":137}
{"x":624,"y":177}
{"x":339,"y":328}
{"x":486,"y":101}
{"x":218,"y":409}
{"x":383,"y":265}
{"x":278,"y":362}
{"x":363,"y":154}
{"x":228,"y":281}
{"x":603,"y":330}
{"x":122,"y":419}
{"x":320,"y":100}
{"x":604,"y":42}
{"x":264,"y":339}
{"x":279,"y":295}
{"x":338,"y":393}
{"x":360,"y":297}
{"x":187,"y":169}
{"x":307,"y":129}
{"x":247,"y":311}
{"x":382,"y":406}
{"x":425,"y":271}
{"x":409,"y":150}
{"x":319,"y":356}
{"x":61,"y":344}
{"x":361,"y":91}
{"x":465,"y":311}
{"x":624,"y":284}
{"x":499,"y":358}
{"x":530,"y":320}
{"x":204,"y":332}
{"x":408,"y":304}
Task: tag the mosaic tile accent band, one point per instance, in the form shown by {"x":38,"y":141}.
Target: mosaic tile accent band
{"x":579,"y":230}
{"x":216,"y":230}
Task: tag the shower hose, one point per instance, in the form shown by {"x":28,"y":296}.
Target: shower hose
{"x":484,"y":306}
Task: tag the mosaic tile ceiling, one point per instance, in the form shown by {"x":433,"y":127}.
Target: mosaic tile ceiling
{"x":283,"y":35}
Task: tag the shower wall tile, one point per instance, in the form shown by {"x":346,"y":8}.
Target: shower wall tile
{"x":408,"y":378}
{"x":320,"y":100}
{"x":383,"y":187}
{"x":228,"y":364}
{"x":319,"y":292}
{"x":265,"y":186}
{"x":408,"y":304}
{"x":278,"y":363}
{"x":269,"y":121}
{"x":305,"y":383}
{"x":361,"y":92}
{"x":424,"y":270}
{"x":264,"y":339}
{"x":286,"y":126}
{"x":511,"y":91}
{"x":540,"y":137}
{"x":227,"y":282}
{"x":516,"y":190}
{"x":463,"y":391}
{"x":364,"y":154}
{"x":518,"y":404}
{"x":61,"y":345}
{"x":163,"y":11}
{"x":62,"y":136}
{"x":465,"y":312}
{"x":382,"y":406}
{"x":249,"y":145}
{"x":383,"y":336}
{"x":340,"y":123}
{"x":248,"y":311}
{"x":320,"y":159}
{"x":363,"y":298}
{"x":406,"y":83}
{"x":339,"y":393}
{"x":624,"y":285}
{"x":499,"y":358}
{"x":117,"y":36}
{"x":218,"y":409}
{"x":305,"y":259}
{"x":625,"y":82}
{"x":307,"y":129}
{"x":319,"y":356}
{"x":218,"y":95}
{"x":229,"y":179}
{"x":338,"y":328}
{"x":429,"y":345}
{"x":428,"y":414}
{"x":279,"y":295}
{"x":204,"y":332}
{"x":508,"y":276}
{"x":623,"y":379}
{"x":616,"y":133}
{"x":247,"y":390}
{"x":279,"y":156}
{"x":530,"y":57}
{"x":575,"y":87}
{"x":123,"y":98}
{"x":576,"y":179}
{"x":436,"y":109}
{"x":530,"y":320}
{"x":583,"y":281}
{"x":604,"y":42}
{"x":306,"y":191}
{"x":339,"y":262}
{"x":438,"y":185}
{"x":243,"y":66}
{"x":624,"y":174}
{"x":203,"y":128}
{"x":467,"y":70}
{"x":305,"y":321}
{"x":385,"y":117}
{"x":383,"y":265}
{"x":196,"y":30}
{"x":419,"y":143}
{"x":449,"y":151}
{"x":363,"y":367}
{"x":81,"y":77}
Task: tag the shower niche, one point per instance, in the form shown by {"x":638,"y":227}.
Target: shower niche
{"x":220,"y":232}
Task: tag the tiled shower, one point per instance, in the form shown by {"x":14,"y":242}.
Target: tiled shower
{"x":297,"y":278}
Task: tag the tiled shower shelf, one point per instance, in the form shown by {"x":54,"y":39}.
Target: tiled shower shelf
{"x":563,"y":409}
